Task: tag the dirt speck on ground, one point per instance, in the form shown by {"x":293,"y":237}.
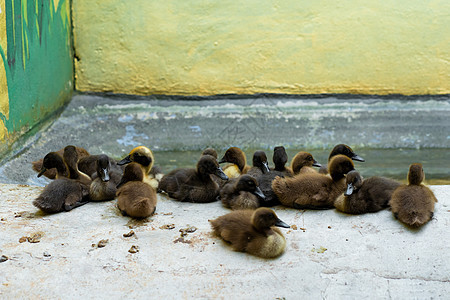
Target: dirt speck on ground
{"x":189,"y":229}
{"x":3,"y":258}
{"x":134,"y":249}
{"x":129,"y":234}
{"x":167,"y":226}
{"x":102,"y":243}
{"x":182,"y":240}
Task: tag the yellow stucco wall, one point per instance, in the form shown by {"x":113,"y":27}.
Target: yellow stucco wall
{"x":182,"y":47}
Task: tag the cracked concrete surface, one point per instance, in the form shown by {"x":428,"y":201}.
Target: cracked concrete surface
{"x":330,"y":255}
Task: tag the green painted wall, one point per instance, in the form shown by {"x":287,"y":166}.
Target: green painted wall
{"x":36,"y":64}
{"x":291,"y":46}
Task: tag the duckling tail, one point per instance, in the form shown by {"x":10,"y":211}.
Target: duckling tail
{"x":142,"y":207}
{"x":44,"y":205}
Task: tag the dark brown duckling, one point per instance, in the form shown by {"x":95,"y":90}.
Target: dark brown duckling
{"x":62,"y":194}
{"x":241,"y":193}
{"x":280,"y":159}
{"x":252,"y":231}
{"x":344,"y":150}
{"x":260,"y":164}
{"x":194,"y":185}
{"x":134,"y":197}
{"x":210,"y":151}
{"x":104,"y":180}
{"x":413,"y":204}
{"x":238,"y":162}
{"x":314,"y":190}
{"x":70,"y":157}
{"x":144,"y":156}
{"x":88,"y":165}
{"x":365,"y":196}
{"x":51,"y":172}
{"x":303,"y":163}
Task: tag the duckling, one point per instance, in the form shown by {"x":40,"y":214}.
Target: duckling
{"x":144,"y":157}
{"x":363,"y":196}
{"x":51,"y":172}
{"x":194,"y":185}
{"x":62,"y":194}
{"x":238,"y":162}
{"x":210,"y":151}
{"x":252,"y":231}
{"x":241,"y":193}
{"x":280,"y":159}
{"x":260,"y":164}
{"x":104,"y":180}
{"x":303,"y":163}
{"x":70,"y":156}
{"x":344,"y":150}
{"x":314,"y":190}
{"x":413,"y":204}
{"x":134,"y":197}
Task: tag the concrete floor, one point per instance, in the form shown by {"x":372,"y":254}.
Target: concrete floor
{"x":330,"y":256}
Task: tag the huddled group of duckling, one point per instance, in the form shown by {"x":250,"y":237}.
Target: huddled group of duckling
{"x":248,"y":191}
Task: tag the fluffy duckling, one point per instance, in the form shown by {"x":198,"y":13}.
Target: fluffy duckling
{"x":260,"y":164}
{"x":303,"y":163}
{"x":238,"y":162}
{"x":344,"y":150}
{"x":62,"y":194}
{"x":252,"y":231}
{"x":51,"y":173}
{"x":104,"y":180}
{"x":144,"y":156}
{"x":241,"y":193}
{"x":70,"y":156}
{"x":413,"y":204}
{"x":194,"y":185}
{"x":363,"y":196}
{"x":210,"y":151}
{"x":280,"y":159}
{"x":314,"y":190}
{"x":134,"y":197}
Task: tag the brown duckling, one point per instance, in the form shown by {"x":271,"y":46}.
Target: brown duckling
{"x":62,"y":194}
{"x":413,"y":204}
{"x":210,"y":151}
{"x":70,"y":156}
{"x":303,"y":163}
{"x":252,"y":231}
{"x":104,"y":180}
{"x":134,"y":197}
{"x":238,"y":162}
{"x":344,"y":150}
{"x":144,"y":156}
{"x":194,"y":185}
{"x":260,"y":164}
{"x":241,"y":193}
{"x":51,"y":172}
{"x":314,"y":190}
{"x":365,"y":196}
{"x":280,"y":159}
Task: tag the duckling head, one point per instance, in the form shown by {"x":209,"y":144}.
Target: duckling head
{"x":263,"y":218}
{"x":54,"y":160}
{"x":235,"y":156}
{"x":210,"y":151}
{"x":102,"y":167}
{"x":339,"y":166}
{"x":260,"y":161}
{"x":142,"y":155}
{"x":280,"y":158}
{"x":416,"y":174}
{"x":303,"y":159}
{"x":132,"y":172}
{"x":249,"y":184}
{"x":345,"y":150}
{"x":354,"y":182}
{"x":209,"y":165}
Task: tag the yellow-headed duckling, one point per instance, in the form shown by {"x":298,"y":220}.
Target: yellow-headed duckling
{"x":241,"y":193}
{"x":413,"y":204}
{"x":52,"y":172}
{"x":260,"y":164}
{"x":303,"y":163}
{"x":144,"y":156}
{"x":238,"y":162}
{"x":314,"y":190}
{"x":104,"y":180}
{"x":344,"y":150}
{"x":134,"y":197}
{"x":194,"y":185}
{"x":252,"y":231}
{"x":364,"y":196}
{"x":62,"y":194}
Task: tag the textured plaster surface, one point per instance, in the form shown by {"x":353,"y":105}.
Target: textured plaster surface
{"x":298,"y":47}
{"x":330,"y":255}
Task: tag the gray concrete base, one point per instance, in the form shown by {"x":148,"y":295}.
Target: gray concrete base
{"x":331,"y":255}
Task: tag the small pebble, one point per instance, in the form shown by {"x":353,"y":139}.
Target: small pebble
{"x":329,"y":227}
{"x":168,"y":226}
{"x":134,"y":249}
{"x":102,"y":243}
{"x":35,"y":238}
{"x":46,"y":254}
{"x":23,"y":239}
{"x":187,"y":230}
{"x":131,"y":233}
{"x":294,"y":227}
{"x":3,"y":258}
